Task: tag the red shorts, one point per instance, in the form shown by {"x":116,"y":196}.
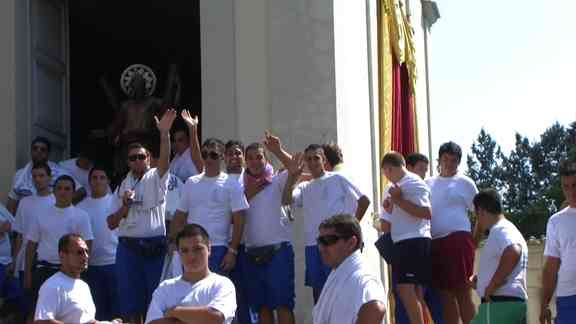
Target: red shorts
{"x":452,"y":261}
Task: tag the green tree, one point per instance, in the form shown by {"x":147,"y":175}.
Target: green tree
{"x":484,"y":165}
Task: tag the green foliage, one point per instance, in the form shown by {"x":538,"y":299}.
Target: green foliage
{"x":527,"y":177}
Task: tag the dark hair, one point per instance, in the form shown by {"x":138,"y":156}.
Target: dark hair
{"x":192,"y":230}
{"x":42,"y":140}
{"x":135,"y":146}
{"x":256,"y":146}
{"x":333,"y":154}
{"x":65,"y":177}
{"x":314,"y":147}
{"x":450,"y":148}
{"x":231,"y":143}
{"x":414,"y":158}
{"x":393,"y":159}
{"x":65,"y":240}
{"x":180,"y":130}
{"x":97,"y":167}
{"x":215,"y":143}
{"x":567,"y":168}
{"x":346,"y":226}
{"x":42,"y":165}
{"x":489,"y":200}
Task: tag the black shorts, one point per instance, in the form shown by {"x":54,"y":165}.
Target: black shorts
{"x":411,"y":263}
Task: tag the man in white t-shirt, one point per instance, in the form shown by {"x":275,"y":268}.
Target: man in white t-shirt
{"x":215,"y":201}
{"x":453,"y":247}
{"x":504,"y":257}
{"x":559,"y":274}
{"x":198,"y":295}
{"x":23,"y":185}
{"x":29,"y":208}
{"x":141,"y":224}
{"x":410,"y":214}
{"x":269,"y":271}
{"x":78,"y":168}
{"x":101,"y":275}
{"x":187,"y":160}
{"x":353,"y":294}
{"x":64,"y":297}
{"x":327,"y":194}
{"x":46,"y":230}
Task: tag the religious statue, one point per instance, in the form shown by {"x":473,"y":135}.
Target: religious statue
{"x":134,"y":117}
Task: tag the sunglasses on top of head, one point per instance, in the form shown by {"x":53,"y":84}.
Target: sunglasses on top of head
{"x":134,"y":157}
{"x":210,"y":154}
{"x":328,"y":240}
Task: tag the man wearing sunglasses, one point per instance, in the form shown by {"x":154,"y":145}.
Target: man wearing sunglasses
{"x":215,"y":201}
{"x":141,"y":225}
{"x":325,"y":195}
{"x":23,"y":184}
{"x":353,"y":294}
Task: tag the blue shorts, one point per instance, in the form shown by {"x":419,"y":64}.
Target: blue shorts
{"x":217,"y":254}
{"x":271,"y":285}
{"x":104,"y":286}
{"x":566,"y":309}
{"x":316,"y":271}
{"x":243,"y":313}
{"x":138,"y":276}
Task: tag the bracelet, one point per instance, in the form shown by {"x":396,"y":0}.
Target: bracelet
{"x":232,"y":250}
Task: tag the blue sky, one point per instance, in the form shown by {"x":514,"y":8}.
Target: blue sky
{"x":508,"y":66}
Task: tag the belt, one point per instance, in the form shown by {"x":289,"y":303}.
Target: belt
{"x":501,"y":299}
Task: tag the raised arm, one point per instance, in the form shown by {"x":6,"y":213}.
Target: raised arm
{"x":273,"y":144}
{"x":295,"y":167}
{"x":195,"y":150}
{"x":164,"y":125}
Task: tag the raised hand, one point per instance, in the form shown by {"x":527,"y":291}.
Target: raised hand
{"x":188,"y":119}
{"x":271,"y":142}
{"x":296,"y":164}
{"x":165,"y":124}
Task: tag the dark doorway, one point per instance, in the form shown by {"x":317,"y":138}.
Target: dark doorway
{"x":106,"y":37}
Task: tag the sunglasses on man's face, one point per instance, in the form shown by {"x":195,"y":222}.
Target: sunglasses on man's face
{"x":135,"y":157}
{"x":212,"y":155}
{"x":328,"y":240}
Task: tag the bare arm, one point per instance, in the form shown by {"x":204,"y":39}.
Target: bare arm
{"x":363,"y":203}
{"x":195,"y":149}
{"x":549,"y":282}
{"x":414,"y":210}
{"x":167,"y":321}
{"x":371,"y":312}
{"x":31,"y":248}
{"x":177,"y":223}
{"x":229,"y":261}
{"x":196,"y":315}
{"x":274,"y":145}
{"x":114,"y":219}
{"x":48,"y":322}
{"x":508,"y":262}
{"x":295,"y":167}
{"x":110,"y":95}
{"x":477,"y":234}
{"x":164,"y":125}
{"x":12,"y":205}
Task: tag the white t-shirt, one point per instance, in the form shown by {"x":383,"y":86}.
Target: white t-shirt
{"x":28,"y":209}
{"x":105,"y":240}
{"x":175,"y":186}
{"x":214,"y":291}
{"x":502,"y":235}
{"x":23,"y":185}
{"x":323,"y":198}
{"x":266,"y":220}
{"x":77,"y":173}
{"x":182,"y":166}
{"x":384,"y":215}
{"x":561,"y":243}
{"x":146,"y":217}
{"x":5,"y":246}
{"x":451,"y":200}
{"x":48,"y":227}
{"x":209,"y":202}
{"x":404,"y":225}
{"x":65,"y":299}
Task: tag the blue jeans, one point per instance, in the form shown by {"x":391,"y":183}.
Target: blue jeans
{"x":566,"y":307}
{"x":104,"y":286}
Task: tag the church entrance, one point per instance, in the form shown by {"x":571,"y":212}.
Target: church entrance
{"x":106,"y":37}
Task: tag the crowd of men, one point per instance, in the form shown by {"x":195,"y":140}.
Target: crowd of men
{"x":179,"y":240}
